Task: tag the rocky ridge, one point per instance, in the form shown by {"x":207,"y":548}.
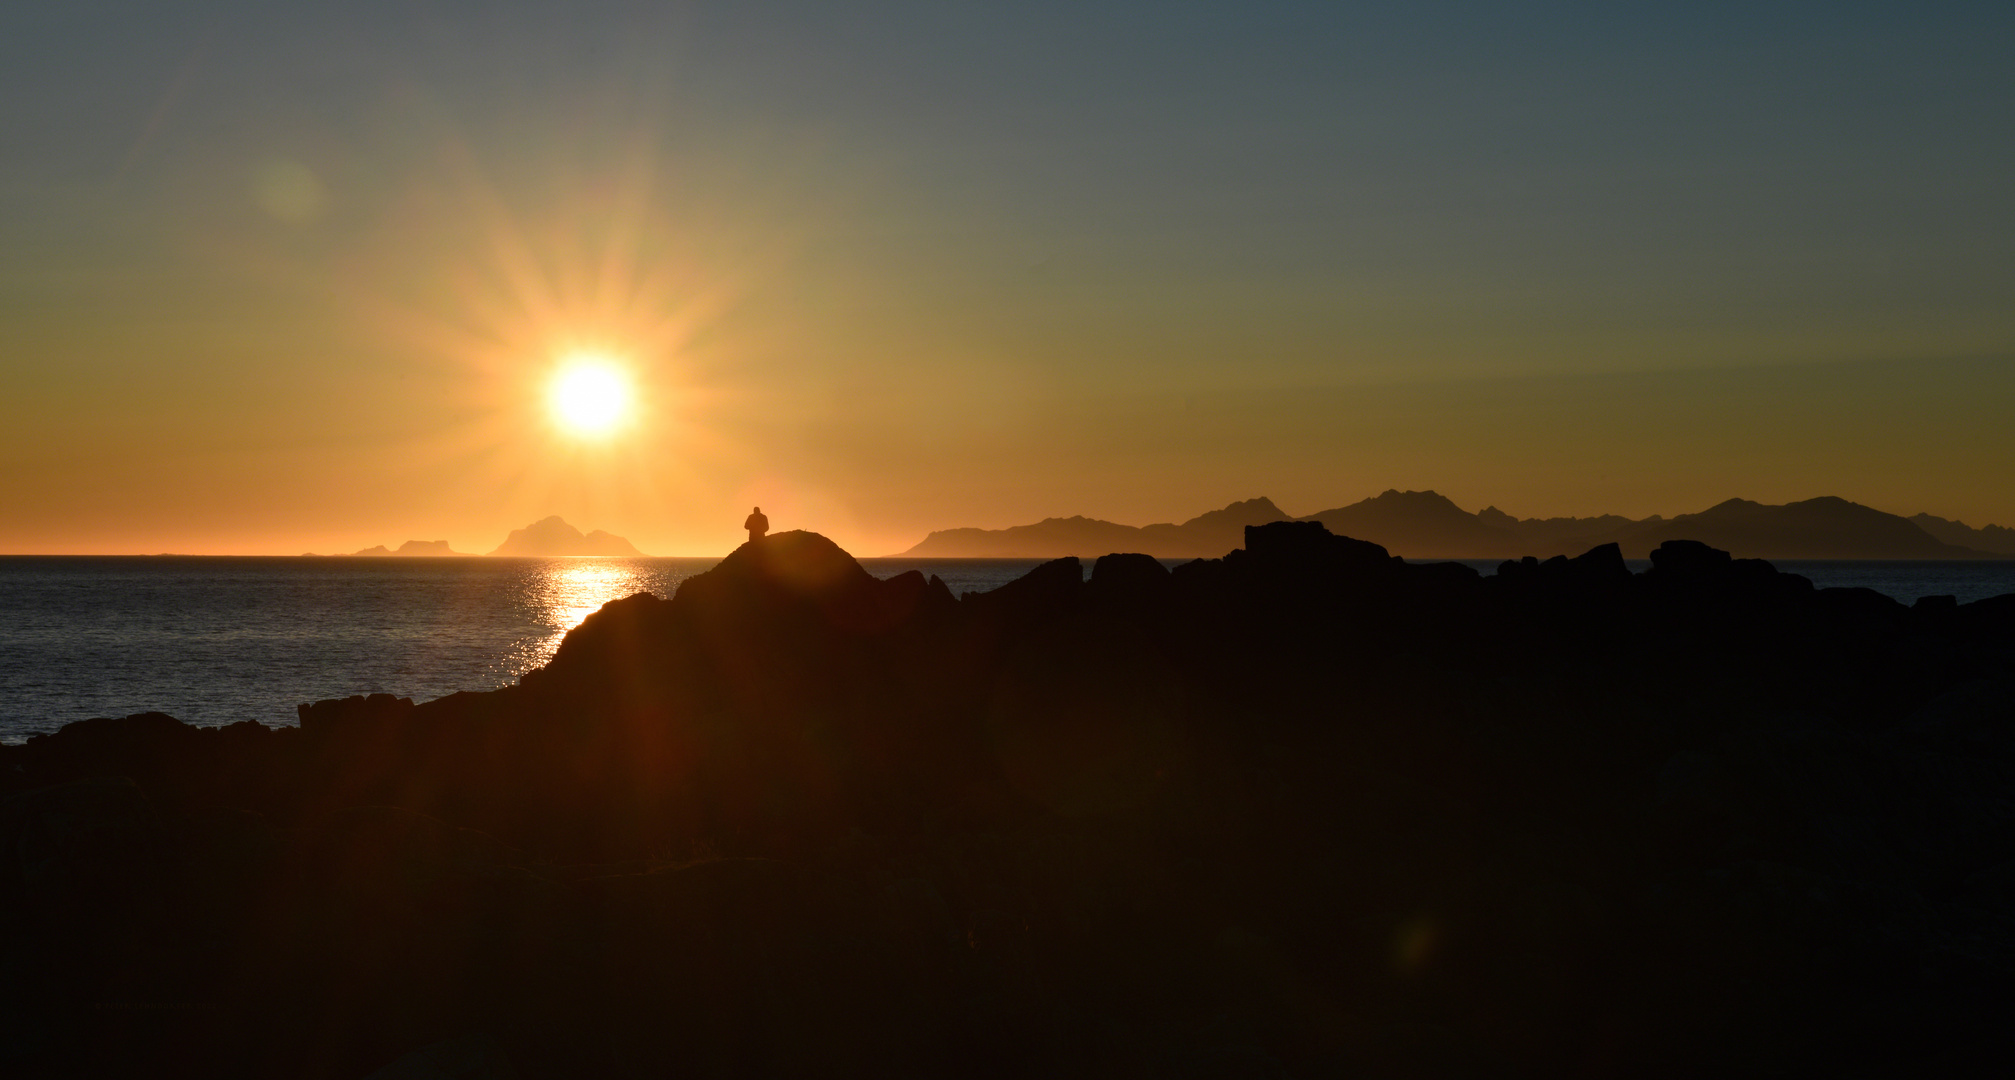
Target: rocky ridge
{"x":1303,"y":810}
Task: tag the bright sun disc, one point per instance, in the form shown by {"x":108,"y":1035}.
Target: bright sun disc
{"x":590,"y":397}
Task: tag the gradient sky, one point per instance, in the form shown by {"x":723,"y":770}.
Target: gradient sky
{"x":282,"y":278}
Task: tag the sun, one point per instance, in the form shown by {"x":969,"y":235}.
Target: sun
{"x":590,"y":395}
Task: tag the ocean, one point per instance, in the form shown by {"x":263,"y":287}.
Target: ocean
{"x":215,"y":640}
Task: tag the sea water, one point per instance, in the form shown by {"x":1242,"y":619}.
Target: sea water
{"x":215,"y":640}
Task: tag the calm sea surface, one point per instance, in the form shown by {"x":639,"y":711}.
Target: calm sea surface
{"x":221,"y":639}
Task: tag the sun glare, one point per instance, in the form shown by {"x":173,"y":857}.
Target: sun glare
{"x":590,"y":396}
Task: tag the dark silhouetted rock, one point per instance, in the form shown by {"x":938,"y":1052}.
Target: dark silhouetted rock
{"x":1297,"y":547}
{"x":332,"y":716}
{"x":1134,"y":581}
{"x":1690,"y":560}
{"x":1306,"y":809}
{"x":1044,"y":592}
{"x":1600,"y":565}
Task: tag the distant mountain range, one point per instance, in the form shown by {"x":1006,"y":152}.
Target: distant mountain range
{"x":1990,"y":538}
{"x":1426,"y":525}
{"x":1206,"y":536}
{"x":553,"y":536}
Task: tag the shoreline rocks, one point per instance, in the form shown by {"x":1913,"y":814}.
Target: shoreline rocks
{"x":1304,"y":810}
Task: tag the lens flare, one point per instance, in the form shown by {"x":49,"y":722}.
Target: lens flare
{"x":590,"y":396}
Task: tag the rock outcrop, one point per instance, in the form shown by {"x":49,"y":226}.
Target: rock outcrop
{"x":1307,"y":809}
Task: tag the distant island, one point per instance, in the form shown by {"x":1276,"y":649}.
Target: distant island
{"x":547,"y":538}
{"x":1427,"y":525}
{"x":425,"y":548}
{"x":554,"y":537}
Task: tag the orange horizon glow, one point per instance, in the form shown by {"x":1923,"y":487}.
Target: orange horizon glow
{"x":880,"y":294}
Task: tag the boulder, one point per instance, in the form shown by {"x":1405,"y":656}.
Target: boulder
{"x":1133,"y":581}
{"x":1689,"y":560}
{"x":143,"y":746}
{"x":1308,"y":548}
{"x":1046,"y":592}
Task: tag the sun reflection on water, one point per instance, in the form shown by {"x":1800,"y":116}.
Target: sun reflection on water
{"x":566,"y":592}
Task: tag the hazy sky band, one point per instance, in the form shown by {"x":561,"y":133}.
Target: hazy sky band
{"x":263,"y":272}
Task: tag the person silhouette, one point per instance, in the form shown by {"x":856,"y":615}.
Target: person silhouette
{"x":757,"y":525}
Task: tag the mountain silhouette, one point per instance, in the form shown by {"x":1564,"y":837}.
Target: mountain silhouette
{"x":1560,"y":535}
{"x":553,"y":537}
{"x":1421,"y":525}
{"x":412,"y":548}
{"x":1204,"y":536}
{"x":1824,"y":528}
{"x":1428,"y":525}
{"x":1993,"y":539}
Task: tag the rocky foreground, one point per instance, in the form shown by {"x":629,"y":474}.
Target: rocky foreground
{"x":1305,"y":811}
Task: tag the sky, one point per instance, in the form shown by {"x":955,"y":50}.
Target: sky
{"x":296,"y":277}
